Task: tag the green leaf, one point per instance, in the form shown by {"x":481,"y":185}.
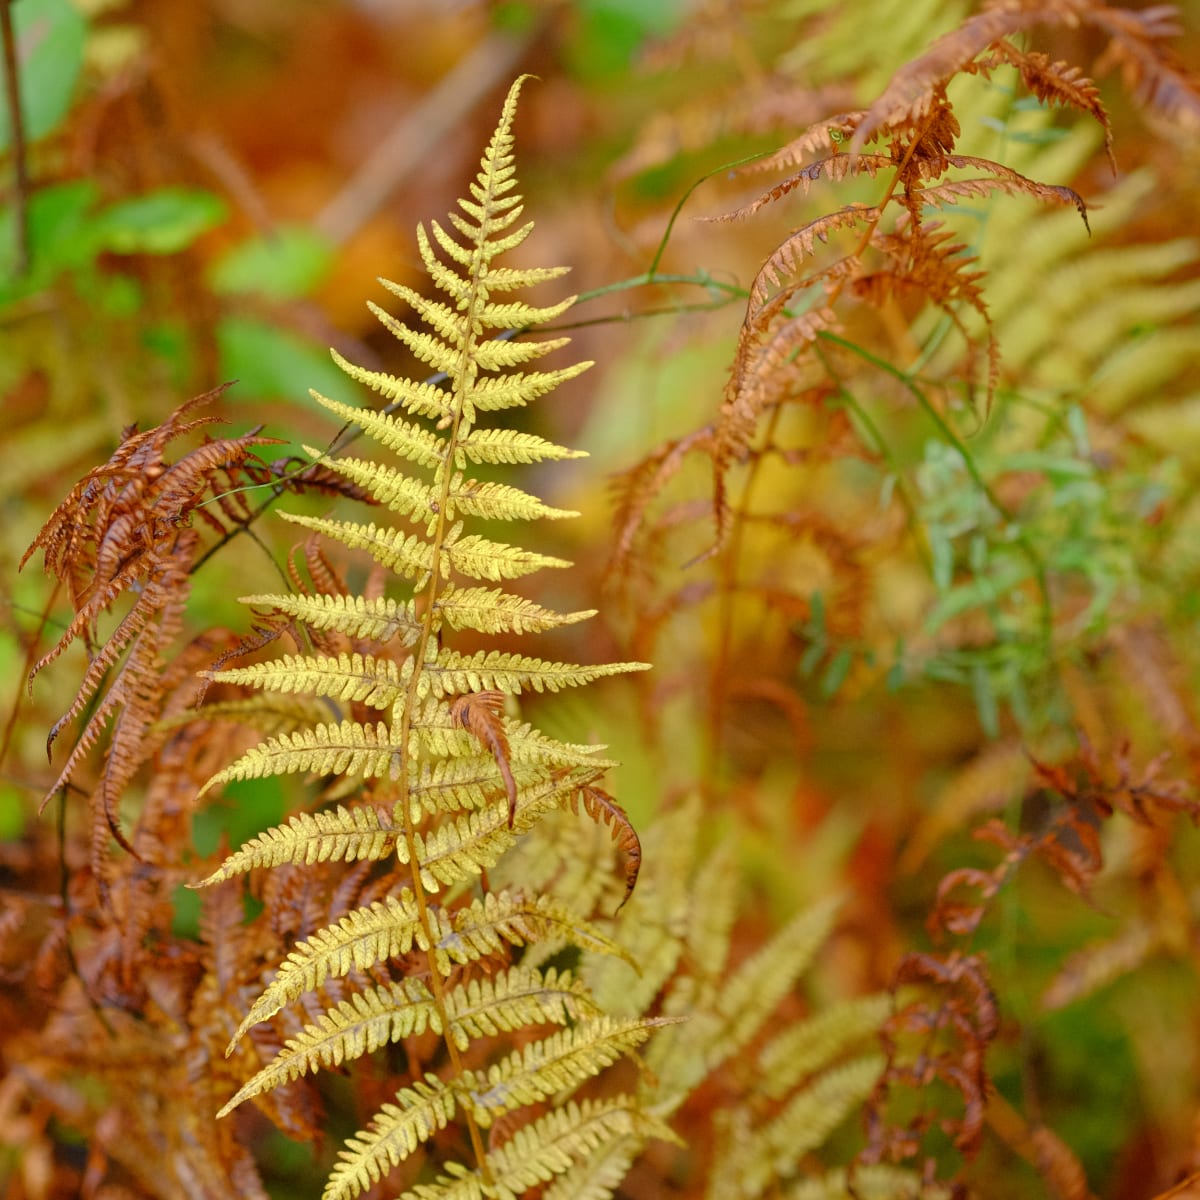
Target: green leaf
{"x":50,"y":36}
{"x":270,"y":362}
{"x":290,"y":262}
{"x":60,"y":237}
{"x":161,"y":222}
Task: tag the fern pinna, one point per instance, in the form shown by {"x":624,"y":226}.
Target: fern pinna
{"x":465,"y":778}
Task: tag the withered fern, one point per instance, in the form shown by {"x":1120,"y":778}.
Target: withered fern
{"x":430,"y":728}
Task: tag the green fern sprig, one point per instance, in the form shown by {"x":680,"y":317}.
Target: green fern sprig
{"x":430,"y":724}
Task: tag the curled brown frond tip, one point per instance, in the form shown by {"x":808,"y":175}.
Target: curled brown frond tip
{"x":482,"y":715}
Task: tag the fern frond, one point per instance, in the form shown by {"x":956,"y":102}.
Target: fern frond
{"x":503,"y":919}
{"x":413,"y":442}
{"x":359,"y":1025}
{"x":561,"y":1061}
{"x":800,"y":244}
{"x":481,"y":558}
{"x":599,"y":1176}
{"x":463,"y":847}
{"x":340,"y":835}
{"x":755,"y":1159}
{"x":360,"y":678}
{"x":810,"y":1045}
{"x":491,"y":670}
{"x":762,"y":980}
{"x":549,"y":1147}
{"x":870,"y":1182}
{"x":491,"y":610}
{"x":344,"y":748}
{"x":409,"y":556}
{"x":519,"y":997}
{"x":420,"y":399}
{"x":378,"y":619}
{"x":470,"y":497}
{"x":509,"y":447}
{"x":395,"y":1132}
{"x":361,"y":939}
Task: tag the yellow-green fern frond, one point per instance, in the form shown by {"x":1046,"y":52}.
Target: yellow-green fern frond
{"x":598,"y":1177}
{"x":810,"y":1045}
{"x":344,"y":748}
{"x":504,"y":446}
{"x":453,"y":673}
{"x":465,"y":777}
{"x":395,"y":1132}
{"x":877,"y":1182}
{"x":342,"y":835}
{"x":361,"y":939}
{"x":364,"y":1022}
{"x":563,"y":1060}
{"x":359,"y":678}
{"x":758,"y":985}
{"x":544,"y":1150}
{"x":459,"y":849}
{"x":752,"y":1159}
{"x":519,"y":997}
{"x":491,"y":610}
{"x":379,"y":619}
{"x":487,"y":925}
{"x":413,"y":442}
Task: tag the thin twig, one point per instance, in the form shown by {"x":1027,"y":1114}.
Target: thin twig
{"x":16,"y":123}
{"x":415,"y":139}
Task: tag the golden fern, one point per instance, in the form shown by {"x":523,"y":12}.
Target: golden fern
{"x":428,"y":725}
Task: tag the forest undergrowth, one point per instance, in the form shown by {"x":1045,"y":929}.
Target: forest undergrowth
{"x":828,"y":832}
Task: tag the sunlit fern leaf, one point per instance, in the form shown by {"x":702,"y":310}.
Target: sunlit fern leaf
{"x":367,"y":1020}
{"x":463,"y":846}
{"x":560,"y":1142}
{"x":403,"y":494}
{"x":741,"y":1006}
{"x":452,"y":673}
{"x":378,"y":619}
{"x":543,"y":1068}
{"x":411,"y":441}
{"x":599,"y":1176}
{"x":361,"y":939}
{"x":394,"y":1133}
{"x":360,"y":678}
{"x":487,"y":925}
{"x":505,"y":446}
{"x":490,"y":610}
{"x":465,"y":777}
{"x":516,"y":998}
{"x":758,"y":984}
{"x":343,"y":834}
